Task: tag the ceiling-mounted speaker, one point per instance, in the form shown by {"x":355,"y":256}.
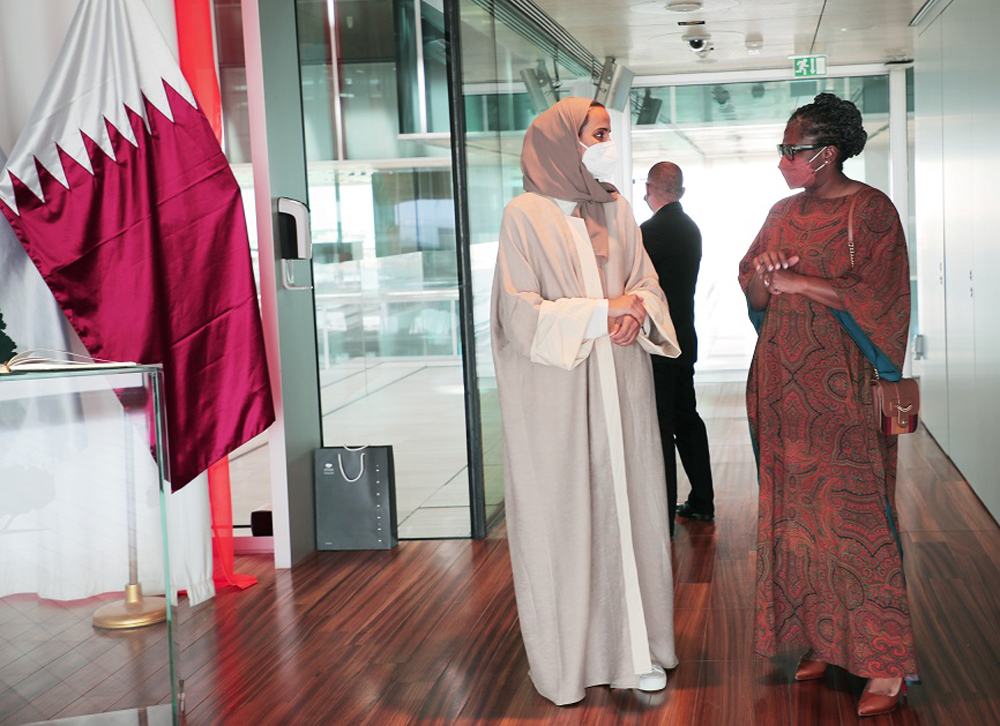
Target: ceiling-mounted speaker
{"x":541,"y":94}
{"x":614,"y":85}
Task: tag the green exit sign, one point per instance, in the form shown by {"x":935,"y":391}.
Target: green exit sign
{"x":807,"y":66}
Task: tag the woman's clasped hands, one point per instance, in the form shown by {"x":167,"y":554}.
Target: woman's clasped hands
{"x":626,"y":314}
{"x":773,"y":271}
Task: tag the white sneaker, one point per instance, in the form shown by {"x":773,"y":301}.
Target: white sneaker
{"x":655,"y":681}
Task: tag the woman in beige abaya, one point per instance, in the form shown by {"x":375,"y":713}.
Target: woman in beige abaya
{"x":576,"y":312}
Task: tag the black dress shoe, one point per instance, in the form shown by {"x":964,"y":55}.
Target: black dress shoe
{"x":688,"y":512}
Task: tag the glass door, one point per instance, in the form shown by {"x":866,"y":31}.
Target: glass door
{"x":385,"y":273}
{"x":505,"y":57}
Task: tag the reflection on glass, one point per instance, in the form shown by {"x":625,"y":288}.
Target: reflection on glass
{"x":746,"y":104}
{"x":494,"y":51}
{"x":375,"y":103}
{"x":393,"y":255}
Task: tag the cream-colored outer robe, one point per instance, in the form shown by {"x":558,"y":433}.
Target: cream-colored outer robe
{"x":583,"y":468}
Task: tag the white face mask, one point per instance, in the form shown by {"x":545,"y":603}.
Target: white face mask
{"x":601,"y":160}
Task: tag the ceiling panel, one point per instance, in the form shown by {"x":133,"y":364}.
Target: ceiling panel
{"x":646,"y":38}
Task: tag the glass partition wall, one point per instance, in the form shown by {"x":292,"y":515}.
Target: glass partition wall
{"x":389,"y":298}
{"x":376,"y":119}
{"x":497,"y":45}
{"x":386,"y":269}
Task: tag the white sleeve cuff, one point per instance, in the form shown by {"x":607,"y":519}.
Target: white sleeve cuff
{"x":661,"y":338}
{"x":598,"y":324}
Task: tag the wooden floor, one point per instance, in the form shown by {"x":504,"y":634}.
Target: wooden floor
{"x":428,"y":633}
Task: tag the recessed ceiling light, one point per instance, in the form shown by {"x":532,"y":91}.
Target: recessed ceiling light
{"x":684,"y":6}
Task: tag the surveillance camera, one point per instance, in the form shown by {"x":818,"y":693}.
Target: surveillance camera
{"x":699,"y":42}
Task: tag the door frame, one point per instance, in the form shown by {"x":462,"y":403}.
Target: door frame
{"x":270,"y":34}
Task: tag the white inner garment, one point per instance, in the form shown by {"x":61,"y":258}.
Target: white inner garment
{"x":604,"y":359}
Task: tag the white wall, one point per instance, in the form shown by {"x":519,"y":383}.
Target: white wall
{"x":982,"y":187}
{"x":31,"y":35}
{"x":929,"y":214}
{"x":958,"y":224}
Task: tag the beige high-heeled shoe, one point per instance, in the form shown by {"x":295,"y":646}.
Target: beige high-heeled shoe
{"x":876,"y":704}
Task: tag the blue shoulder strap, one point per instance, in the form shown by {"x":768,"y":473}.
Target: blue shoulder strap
{"x":875,"y":356}
{"x":756,"y":317}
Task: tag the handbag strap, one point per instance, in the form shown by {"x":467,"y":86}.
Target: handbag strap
{"x":850,"y":228}
{"x":850,"y":248}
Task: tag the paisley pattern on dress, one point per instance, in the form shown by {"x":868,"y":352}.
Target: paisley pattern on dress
{"x":829,"y":563}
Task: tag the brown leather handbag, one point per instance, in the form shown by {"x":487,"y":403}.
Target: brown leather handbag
{"x":897,"y":403}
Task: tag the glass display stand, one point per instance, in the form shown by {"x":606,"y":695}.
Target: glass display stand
{"x":84,"y":637}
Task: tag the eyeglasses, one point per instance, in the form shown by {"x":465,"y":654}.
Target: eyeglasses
{"x":788,"y":150}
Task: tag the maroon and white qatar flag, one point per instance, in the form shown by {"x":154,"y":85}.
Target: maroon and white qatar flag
{"x":119,"y":192}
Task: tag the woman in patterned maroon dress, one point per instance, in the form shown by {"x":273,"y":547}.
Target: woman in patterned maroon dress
{"x":829,"y":562}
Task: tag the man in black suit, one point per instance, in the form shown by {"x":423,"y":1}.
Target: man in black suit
{"x":673,"y":242}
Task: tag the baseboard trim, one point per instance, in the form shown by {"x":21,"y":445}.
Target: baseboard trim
{"x":253,"y":545}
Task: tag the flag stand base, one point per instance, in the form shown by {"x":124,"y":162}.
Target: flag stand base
{"x":135,"y":612}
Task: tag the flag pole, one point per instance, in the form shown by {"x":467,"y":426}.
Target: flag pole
{"x":136,"y":611}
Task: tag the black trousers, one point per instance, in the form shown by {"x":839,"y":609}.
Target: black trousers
{"x":682,"y":427}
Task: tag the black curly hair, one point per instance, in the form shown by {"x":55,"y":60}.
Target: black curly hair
{"x":835,"y":122}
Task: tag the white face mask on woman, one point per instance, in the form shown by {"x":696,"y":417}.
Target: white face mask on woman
{"x":601,"y":160}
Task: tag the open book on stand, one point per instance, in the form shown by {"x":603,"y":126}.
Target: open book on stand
{"x":55,"y":360}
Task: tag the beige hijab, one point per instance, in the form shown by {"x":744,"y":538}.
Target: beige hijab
{"x":551,"y":163}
